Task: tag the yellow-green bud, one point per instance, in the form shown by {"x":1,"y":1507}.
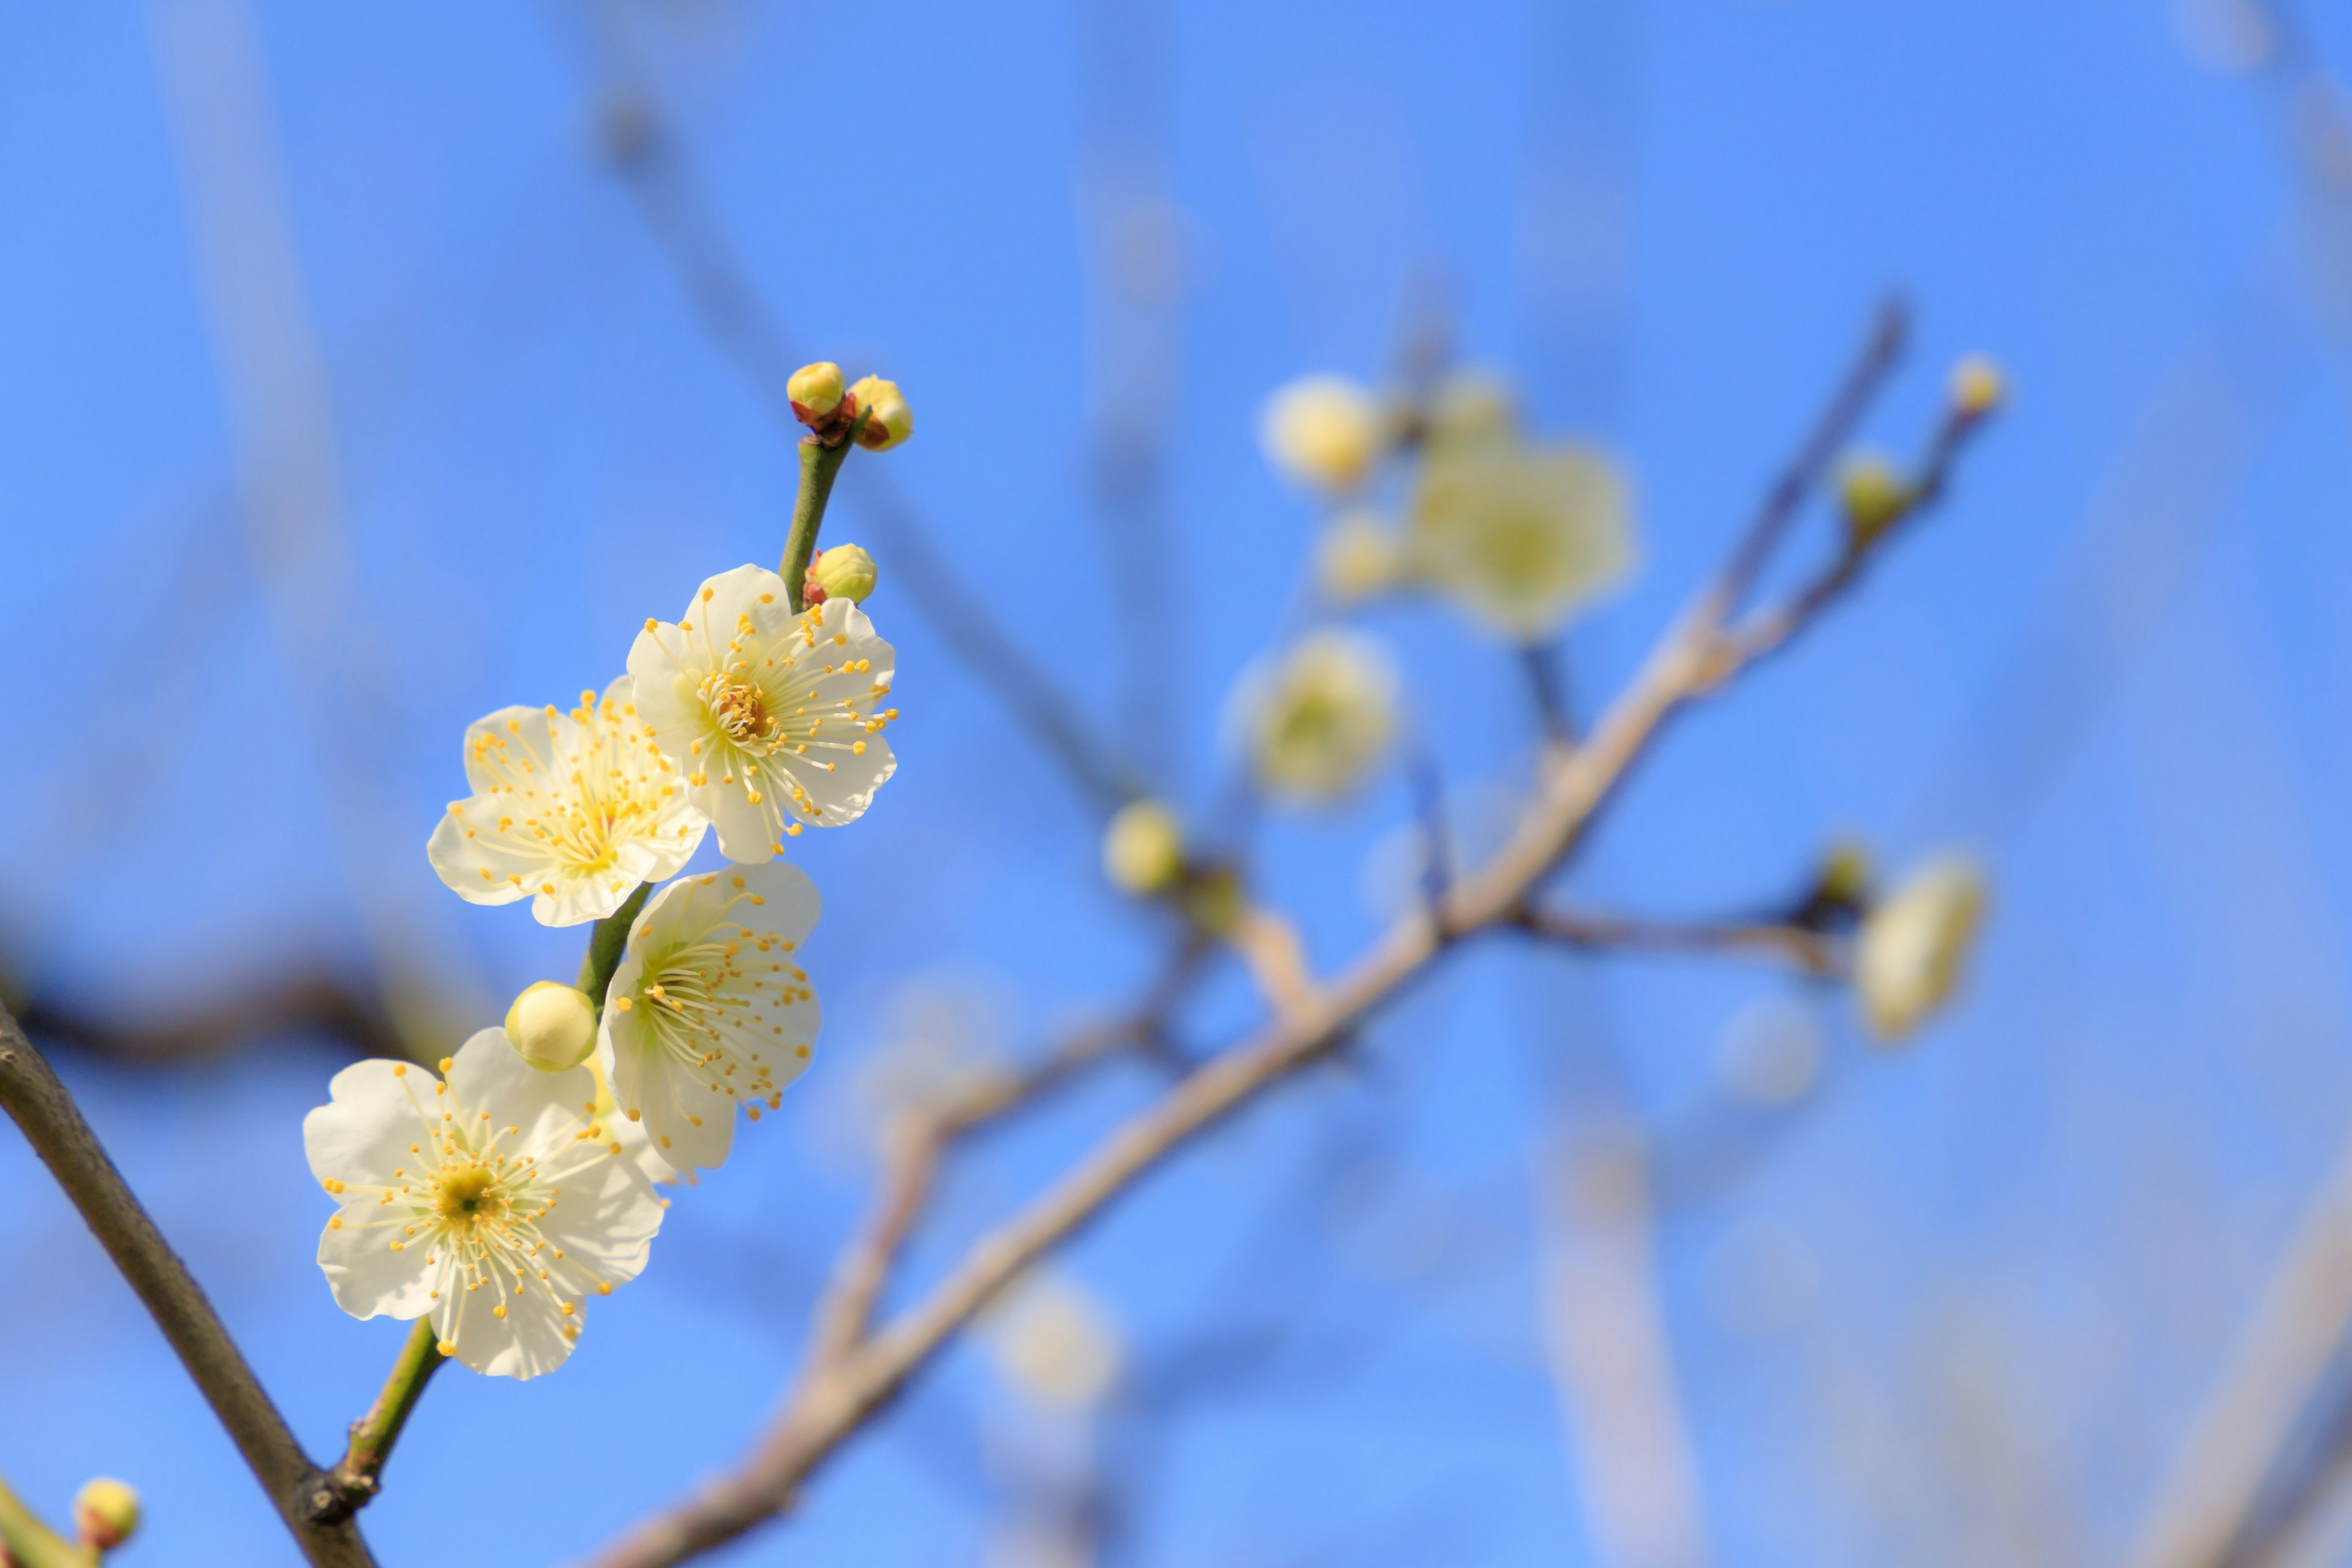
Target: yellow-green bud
{"x":1845,"y":874}
{"x":815,"y":391}
{"x":839,"y":572}
{"x":889,"y":420}
{"x":553,"y":1026}
{"x":1873,"y":496}
{"x":1977,"y":386}
{"x":1143,"y":848}
{"x":105,"y":1512}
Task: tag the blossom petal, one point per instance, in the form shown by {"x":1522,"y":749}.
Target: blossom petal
{"x":361,"y":1135}
{"x":370,"y":1280}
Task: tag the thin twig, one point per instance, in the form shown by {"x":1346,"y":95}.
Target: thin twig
{"x":656,"y":168}
{"x":53,"y":1124}
{"x":1814,"y":953}
{"x":26,"y":1541}
{"x":360,"y":1475}
{"x":828,"y":1408}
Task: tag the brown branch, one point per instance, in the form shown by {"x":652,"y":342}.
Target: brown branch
{"x":841,"y":1396}
{"x":1812,"y":951}
{"x":845,"y":1312}
{"x":53,"y":1124}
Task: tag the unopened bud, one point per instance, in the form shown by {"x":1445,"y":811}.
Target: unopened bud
{"x":1977,"y":386}
{"x":1845,"y":875}
{"x":105,"y":1512}
{"x":1873,"y":496}
{"x":840,"y":572}
{"x":551,"y":1025}
{"x":815,"y":391}
{"x":1143,"y":848}
{"x":889,"y":420}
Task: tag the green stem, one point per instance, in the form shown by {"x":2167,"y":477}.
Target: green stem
{"x":356,"y":1479}
{"x":32,"y":1544}
{"x":819,"y":465}
{"x":605,"y":944}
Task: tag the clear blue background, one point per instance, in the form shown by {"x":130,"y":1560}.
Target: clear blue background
{"x":2008,"y":1264}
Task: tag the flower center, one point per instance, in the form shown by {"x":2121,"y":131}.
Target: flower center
{"x":466,"y":1194}
{"x":739,"y":708}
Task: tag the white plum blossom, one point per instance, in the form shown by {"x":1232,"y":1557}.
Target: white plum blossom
{"x":1912,"y":943}
{"x":487,"y":1200}
{"x":709,"y":1009}
{"x":1520,"y":537}
{"x":769,"y":714}
{"x":1314,"y":719}
{"x":569,"y":810}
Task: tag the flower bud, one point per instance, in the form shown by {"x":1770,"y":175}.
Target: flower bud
{"x":1323,"y":430}
{"x":815,"y":391}
{"x":1845,"y":875}
{"x":841,"y":572}
{"x":1143,"y":848}
{"x":105,"y":1512}
{"x":553,"y":1026}
{"x":1977,"y":386}
{"x":1913,"y":946}
{"x":1873,"y":496}
{"x":889,"y":420}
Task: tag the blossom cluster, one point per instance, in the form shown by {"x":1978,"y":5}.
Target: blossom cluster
{"x":496,"y":1197}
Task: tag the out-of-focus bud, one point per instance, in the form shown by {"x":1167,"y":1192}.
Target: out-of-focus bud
{"x":1977,"y":386}
{"x":1143,"y":848}
{"x":1873,"y":496}
{"x":105,"y":1512}
{"x":551,"y":1025}
{"x":1216,"y":901}
{"x":889,"y":420}
{"x":1323,"y":430}
{"x":1845,"y":875}
{"x":815,"y":391}
{"x":1358,"y":556}
{"x":839,"y":572}
{"x":1912,"y":946}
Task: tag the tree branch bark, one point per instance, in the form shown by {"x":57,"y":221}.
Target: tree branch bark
{"x":53,"y":1124}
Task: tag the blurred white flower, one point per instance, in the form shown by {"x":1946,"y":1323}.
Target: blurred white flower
{"x":1914,"y":944}
{"x":1520,"y":537}
{"x":1324,"y":430}
{"x":569,"y":810}
{"x":768,"y":715}
{"x":490,"y":1203}
{"x":1315,"y":718}
{"x":709,"y":1007}
{"x":1054,"y":1343}
{"x":1357,"y":556}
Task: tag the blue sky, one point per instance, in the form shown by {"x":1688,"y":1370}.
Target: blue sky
{"x":2012,"y":1258}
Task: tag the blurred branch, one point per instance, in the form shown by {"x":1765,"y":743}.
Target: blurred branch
{"x":1814,"y":953}
{"x":1692,"y":658}
{"x":653,"y":165}
{"x":307,"y":1002}
{"x":53,"y":1125}
{"x":845,"y":1315}
{"x":1605,"y":1341}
